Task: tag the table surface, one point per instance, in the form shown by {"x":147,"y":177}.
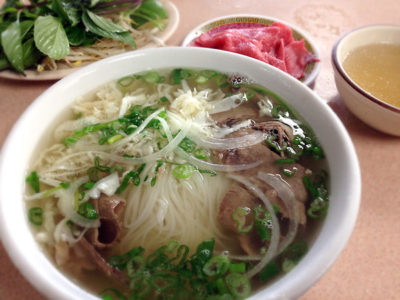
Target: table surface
{"x":369,"y":266}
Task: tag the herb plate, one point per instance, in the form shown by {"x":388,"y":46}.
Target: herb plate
{"x":33,"y":75}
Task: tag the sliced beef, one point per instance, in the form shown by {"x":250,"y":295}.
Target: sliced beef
{"x":102,"y":265}
{"x":239,"y":196}
{"x":110,"y":210}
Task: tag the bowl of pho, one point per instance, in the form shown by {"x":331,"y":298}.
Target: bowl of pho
{"x":182,"y":173}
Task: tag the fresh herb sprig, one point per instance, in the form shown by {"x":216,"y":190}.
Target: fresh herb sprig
{"x":50,"y":28}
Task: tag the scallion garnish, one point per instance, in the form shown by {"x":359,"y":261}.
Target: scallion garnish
{"x":33,"y":180}
{"x":87,"y":210}
{"x":217,"y":266}
{"x":183,"y":171}
{"x":35,"y":215}
{"x":239,"y":216}
{"x":133,"y":176}
{"x":238,"y":285}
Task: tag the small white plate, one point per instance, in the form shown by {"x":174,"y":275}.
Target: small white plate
{"x":247,"y":21}
{"x":33,"y":75}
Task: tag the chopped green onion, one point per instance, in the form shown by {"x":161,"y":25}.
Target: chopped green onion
{"x":164,"y":99}
{"x":237,"y":268}
{"x":288,"y":172}
{"x":284,"y":161}
{"x":33,"y":180}
{"x":183,"y":171}
{"x":87,"y":210}
{"x":288,"y":265}
{"x":152,"y":77}
{"x":35,"y":215}
{"x":126,"y":81}
{"x":269,"y":271}
{"x":201,"y":79}
{"x":217,"y":266}
{"x":105,"y":295}
{"x":239,"y":216}
{"x":187,"y":145}
{"x":211,"y":172}
{"x":238,"y":285}
{"x":200,"y":153}
{"x":132,"y":175}
{"x":176,"y":76}
{"x":250,"y":94}
{"x":114,"y":138}
{"x":271,"y":142}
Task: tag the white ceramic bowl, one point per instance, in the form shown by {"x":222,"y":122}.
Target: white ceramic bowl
{"x":25,"y":137}
{"x":371,"y":110}
{"x":249,"y":20}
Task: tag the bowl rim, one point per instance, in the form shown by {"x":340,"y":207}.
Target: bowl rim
{"x":321,"y":262}
{"x":338,"y":66}
{"x":309,"y":80}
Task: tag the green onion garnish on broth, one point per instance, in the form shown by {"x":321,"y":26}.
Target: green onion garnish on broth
{"x":87,"y":210}
{"x":35,"y":215}
{"x":217,"y":266}
{"x":238,"y":285}
{"x":133,"y":176}
{"x":239,"y":216}
{"x":183,"y":171}
{"x":284,"y":161}
{"x":33,"y":180}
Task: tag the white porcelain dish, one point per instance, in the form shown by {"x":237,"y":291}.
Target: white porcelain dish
{"x":249,"y":20}
{"x":27,"y":134}
{"x":371,"y":110}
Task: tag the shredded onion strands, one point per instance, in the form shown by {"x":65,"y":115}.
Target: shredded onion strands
{"x":230,"y":143}
{"x":275,"y":230}
{"x":287,"y":196}
{"x":227,"y":103}
{"x":215,"y":167}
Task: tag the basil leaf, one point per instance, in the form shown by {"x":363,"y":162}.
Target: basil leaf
{"x":154,"y":9}
{"x":11,"y":42}
{"x":25,"y":26}
{"x":66,"y":11}
{"x":30,"y":53}
{"x":78,"y":36}
{"x":50,"y":37}
{"x":104,"y":23}
{"x":124,"y":36}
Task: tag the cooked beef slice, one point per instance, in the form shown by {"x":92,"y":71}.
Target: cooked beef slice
{"x":110,"y":210}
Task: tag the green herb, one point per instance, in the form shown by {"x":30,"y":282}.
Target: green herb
{"x":154,"y":179}
{"x":93,"y":172}
{"x":87,"y":210}
{"x":238,"y":285}
{"x":183,"y":171}
{"x":164,"y":99}
{"x":201,"y":153}
{"x":187,"y":145}
{"x":33,"y":180}
{"x":239,"y":216}
{"x":269,"y":271}
{"x":316,"y":185}
{"x":50,"y":27}
{"x":263,"y":221}
{"x":133,"y":176}
{"x":35,"y":215}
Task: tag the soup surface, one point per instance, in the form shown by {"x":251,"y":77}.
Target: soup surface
{"x":178,"y":184}
{"x":376,"y":68}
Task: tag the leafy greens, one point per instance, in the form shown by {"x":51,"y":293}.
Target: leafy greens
{"x":48,"y":28}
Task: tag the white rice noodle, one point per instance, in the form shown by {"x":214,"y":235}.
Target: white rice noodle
{"x":227,"y":103}
{"x":287,"y":196}
{"x":185,"y":85}
{"x":215,"y":167}
{"x":229,"y":143}
{"x":275,"y":230}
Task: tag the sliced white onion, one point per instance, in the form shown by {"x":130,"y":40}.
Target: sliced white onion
{"x":107,"y":185}
{"x":229,"y":143}
{"x":227,"y":103}
{"x":224,"y":131}
{"x":63,"y":233}
{"x":66,"y":205}
{"x":215,"y":167}
{"x":287,"y":196}
{"x":275,"y":230}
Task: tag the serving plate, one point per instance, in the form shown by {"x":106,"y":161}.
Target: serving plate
{"x":33,"y":75}
{"x":251,"y":21}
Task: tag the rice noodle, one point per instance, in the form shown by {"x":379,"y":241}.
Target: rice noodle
{"x":287,"y":196}
{"x":275,"y":230}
